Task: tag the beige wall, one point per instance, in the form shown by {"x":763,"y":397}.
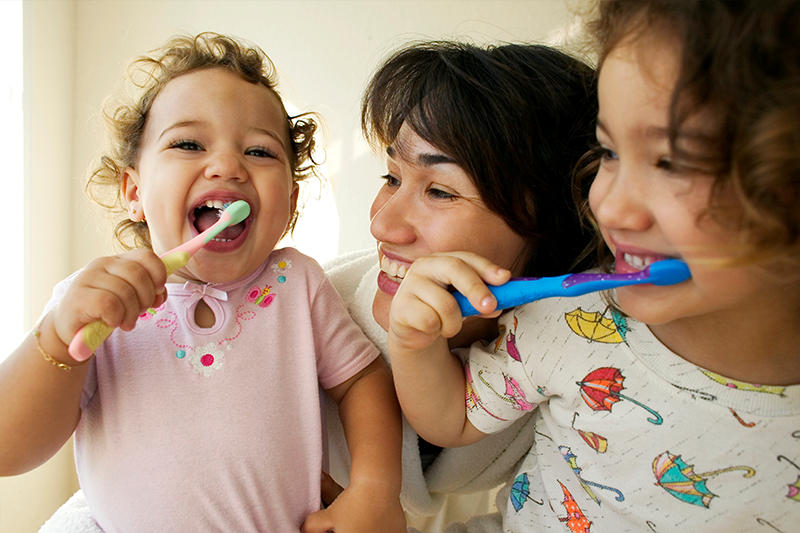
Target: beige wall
{"x":325,"y":50}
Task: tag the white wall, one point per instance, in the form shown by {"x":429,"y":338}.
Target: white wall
{"x":325,"y":51}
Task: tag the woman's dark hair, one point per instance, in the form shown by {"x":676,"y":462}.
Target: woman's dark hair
{"x":516,"y":118}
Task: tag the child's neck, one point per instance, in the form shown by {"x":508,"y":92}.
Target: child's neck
{"x":755,"y":347}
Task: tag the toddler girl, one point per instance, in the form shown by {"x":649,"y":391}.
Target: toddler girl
{"x":658,"y":408}
{"x":206,"y":415}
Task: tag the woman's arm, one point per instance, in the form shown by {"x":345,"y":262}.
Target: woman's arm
{"x":429,"y":379}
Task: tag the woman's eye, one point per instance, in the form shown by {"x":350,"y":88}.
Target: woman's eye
{"x":261,"y":152}
{"x":186,"y":145}
{"x":440,"y":194}
{"x":391,"y":181}
{"x":665,"y":164}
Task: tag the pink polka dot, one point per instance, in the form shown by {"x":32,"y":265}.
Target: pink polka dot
{"x":207,"y":360}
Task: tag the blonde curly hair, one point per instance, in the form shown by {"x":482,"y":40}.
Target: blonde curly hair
{"x":126,"y":116}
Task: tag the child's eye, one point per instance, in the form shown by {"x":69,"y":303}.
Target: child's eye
{"x":261,"y":152}
{"x":391,"y":181}
{"x":606,"y":154}
{"x":186,"y":144}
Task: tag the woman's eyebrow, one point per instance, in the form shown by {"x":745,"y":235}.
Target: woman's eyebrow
{"x":424,"y":159}
{"x":429,"y":160}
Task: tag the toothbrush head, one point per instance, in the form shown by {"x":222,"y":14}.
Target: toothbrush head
{"x":668,"y":272}
{"x":237,"y":211}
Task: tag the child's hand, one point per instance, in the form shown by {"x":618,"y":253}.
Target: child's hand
{"x":114,"y":289}
{"x":424,"y":309}
{"x":360,"y":508}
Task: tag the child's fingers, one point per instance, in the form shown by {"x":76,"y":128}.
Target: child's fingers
{"x":318,"y":522}
{"x":116,"y":290}
{"x":146,"y":275}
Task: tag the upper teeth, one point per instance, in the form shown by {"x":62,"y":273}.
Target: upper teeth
{"x":637,"y":261}
{"x":393,"y":269}
{"x":217,"y":204}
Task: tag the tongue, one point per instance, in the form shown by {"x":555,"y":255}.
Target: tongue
{"x":208,"y":217}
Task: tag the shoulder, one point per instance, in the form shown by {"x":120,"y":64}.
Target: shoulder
{"x":288,"y":259}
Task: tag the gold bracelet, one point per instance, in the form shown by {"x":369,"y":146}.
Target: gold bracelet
{"x":49,"y":358}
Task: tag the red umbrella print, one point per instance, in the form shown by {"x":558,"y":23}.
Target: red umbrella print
{"x":601,"y":388}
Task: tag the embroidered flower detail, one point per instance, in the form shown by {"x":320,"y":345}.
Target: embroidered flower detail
{"x":279,"y":267}
{"x":207,"y":359}
{"x":150,"y":313}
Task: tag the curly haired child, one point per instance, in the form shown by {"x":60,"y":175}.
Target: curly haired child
{"x":201,"y":412}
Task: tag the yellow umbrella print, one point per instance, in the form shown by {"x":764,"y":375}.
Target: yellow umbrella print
{"x":595,"y":326}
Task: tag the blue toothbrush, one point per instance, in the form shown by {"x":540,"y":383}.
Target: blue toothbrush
{"x":520,"y":291}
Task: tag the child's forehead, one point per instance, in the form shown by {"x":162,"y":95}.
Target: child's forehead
{"x":219,"y":90}
{"x":642,"y":75}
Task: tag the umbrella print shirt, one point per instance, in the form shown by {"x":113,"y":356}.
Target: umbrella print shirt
{"x":630,"y":437}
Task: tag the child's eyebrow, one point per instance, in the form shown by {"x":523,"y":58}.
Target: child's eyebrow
{"x":651,"y":132}
{"x":272,"y":134}
{"x":179,"y":125}
{"x":186,"y":123}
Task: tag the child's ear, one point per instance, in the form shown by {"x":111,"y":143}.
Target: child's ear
{"x":130,"y":191}
{"x":293,"y":197}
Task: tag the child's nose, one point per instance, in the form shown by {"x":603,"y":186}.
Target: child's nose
{"x":620,"y":201}
{"x":225,"y":165}
{"x":391,"y":219}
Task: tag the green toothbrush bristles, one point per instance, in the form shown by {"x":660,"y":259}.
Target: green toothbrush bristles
{"x":238,"y":211}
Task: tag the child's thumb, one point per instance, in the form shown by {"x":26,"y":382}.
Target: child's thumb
{"x":317,"y":522}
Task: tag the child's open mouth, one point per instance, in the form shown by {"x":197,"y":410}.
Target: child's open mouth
{"x":206,"y":215}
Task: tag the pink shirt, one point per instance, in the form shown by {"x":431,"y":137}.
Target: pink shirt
{"x":218,"y":429}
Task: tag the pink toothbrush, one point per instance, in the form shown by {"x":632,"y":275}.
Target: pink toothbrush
{"x":90,"y":336}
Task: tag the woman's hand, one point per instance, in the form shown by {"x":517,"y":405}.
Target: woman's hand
{"x":429,"y":379}
{"x":424,"y":308}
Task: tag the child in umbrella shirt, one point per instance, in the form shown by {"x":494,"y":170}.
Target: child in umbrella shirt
{"x":657,"y":408}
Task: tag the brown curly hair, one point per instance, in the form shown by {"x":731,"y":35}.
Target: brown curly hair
{"x":126,"y":116}
{"x":740,"y":60}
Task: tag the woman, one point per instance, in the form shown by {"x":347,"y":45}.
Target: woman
{"x":480,"y":145}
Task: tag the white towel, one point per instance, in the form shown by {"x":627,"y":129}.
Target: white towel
{"x":72,"y":517}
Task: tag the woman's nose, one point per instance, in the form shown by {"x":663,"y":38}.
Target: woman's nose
{"x":391,"y":219}
{"x":620,"y":201}
{"x":225,"y":165}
